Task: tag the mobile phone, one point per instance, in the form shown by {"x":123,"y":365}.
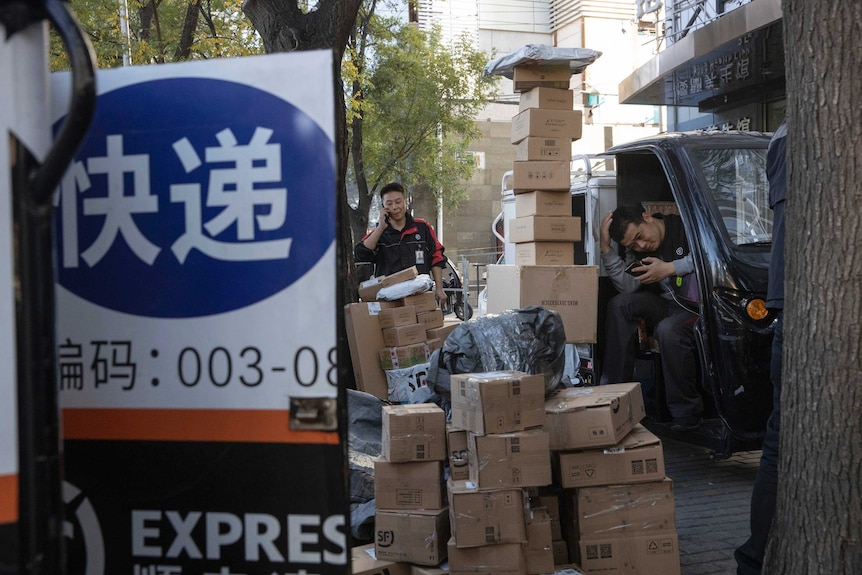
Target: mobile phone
{"x":386,"y":217}
{"x":635,"y":264}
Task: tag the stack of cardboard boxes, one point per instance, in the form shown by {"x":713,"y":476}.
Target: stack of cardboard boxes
{"x":391,"y":341}
{"x":544,"y":229}
{"x":493,"y":527}
{"x":411,"y":524}
{"x":572,"y":481}
{"x":617,"y":504}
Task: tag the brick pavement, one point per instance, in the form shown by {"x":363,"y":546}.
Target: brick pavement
{"x":712,"y":505}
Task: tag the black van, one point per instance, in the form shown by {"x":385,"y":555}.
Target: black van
{"x":716,"y":181}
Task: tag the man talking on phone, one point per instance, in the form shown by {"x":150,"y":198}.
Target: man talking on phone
{"x":654,"y":289}
{"x":400,"y":241}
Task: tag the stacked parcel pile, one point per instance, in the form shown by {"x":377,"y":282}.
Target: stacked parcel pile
{"x":412,"y":522}
{"x":617,"y":504}
{"x":391,"y":341}
{"x":544,"y":229}
{"x":493,"y":528}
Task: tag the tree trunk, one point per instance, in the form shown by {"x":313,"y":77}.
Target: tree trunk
{"x":818,"y":522}
{"x":187,"y":36}
{"x":283,"y":27}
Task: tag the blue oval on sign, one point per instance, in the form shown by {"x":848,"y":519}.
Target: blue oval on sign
{"x":192,"y":197}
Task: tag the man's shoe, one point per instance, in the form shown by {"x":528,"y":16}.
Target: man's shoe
{"x":689,"y":423}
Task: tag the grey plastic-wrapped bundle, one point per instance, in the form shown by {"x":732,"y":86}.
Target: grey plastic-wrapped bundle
{"x":531,"y":340}
{"x":365,"y":424}
{"x":543,"y":55}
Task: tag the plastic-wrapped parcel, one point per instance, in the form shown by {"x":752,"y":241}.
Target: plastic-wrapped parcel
{"x":364,"y":445}
{"x":531,"y":340}
{"x":540,"y":54}
{"x":419,"y":284}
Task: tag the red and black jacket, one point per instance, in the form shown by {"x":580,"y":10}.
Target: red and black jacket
{"x":416,"y":244}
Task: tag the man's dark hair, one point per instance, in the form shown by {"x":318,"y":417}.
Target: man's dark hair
{"x":392,"y":187}
{"x":622,"y":218}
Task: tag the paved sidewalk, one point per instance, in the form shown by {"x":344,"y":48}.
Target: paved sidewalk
{"x":712,"y":505}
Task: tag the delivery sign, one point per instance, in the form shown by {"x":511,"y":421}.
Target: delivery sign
{"x":195,"y":257}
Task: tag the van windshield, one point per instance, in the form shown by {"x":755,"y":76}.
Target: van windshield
{"x":737,"y":180}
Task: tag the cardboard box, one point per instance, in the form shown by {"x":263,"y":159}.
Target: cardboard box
{"x":412,"y":536}
{"x":543,"y":149}
{"x":541,"y":175}
{"x":545,"y":253}
{"x":539,"y":552}
{"x":548,"y":98}
{"x":425,"y":301}
{"x":363,"y":561}
{"x":404,"y":356}
{"x":433,"y":344}
{"x":539,"y":123}
{"x":506,"y":559}
{"x":517,"y":459}
{"x":403,"y":335}
{"x":459,"y":462}
{"x":572,"y":291}
{"x":543,"y":203}
{"x":413,"y":432}
{"x":441,"y":332}
{"x":365,"y":339}
{"x":591,"y":417}
{"x":415,"y":485}
{"x":369,"y":288}
{"x":431,"y":319}
{"x":624,"y":510}
{"x":497,"y":402}
{"x":486,"y":516}
{"x":395,"y":316}
{"x":529,"y":76}
{"x":637,"y":458}
{"x":656,"y":552}
{"x":545,"y":229}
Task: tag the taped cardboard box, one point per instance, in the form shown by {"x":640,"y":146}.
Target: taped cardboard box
{"x":405,"y":355}
{"x":516,"y":459}
{"x":418,"y":536}
{"x":543,"y":203}
{"x":657,"y":552}
{"x":431,"y":319}
{"x":486,"y":516}
{"x":459,"y":462}
{"x":624,"y":510}
{"x":395,"y":316}
{"x":544,"y":149}
{"x":548,"y":98}
{"x":561,"y":552}
{"x":540,"y":175}
{"x":506,"y":559}
{"x":414,"y":432}
{"x":592,"y":417}
{"x":545,"y":229}
{"x":415,"y":485}
{"x":365,"y":340}
{"x":529,"y":76}
{"x":369,"y":288}
{"x":571,"y":291}
{"x":637,"y":458}
{"x":539,"y":123}
{"x":425,"y":301}
{"x":497,"y":402}
{"x":441,"y":332}
{"x":403,"y":335}
{"x":545,"y":253}
{"x":539,"y":552}
{"x":363,"y":561}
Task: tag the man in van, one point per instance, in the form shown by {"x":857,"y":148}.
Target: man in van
{"x":400,"y":241}
{"x":654,"y":279}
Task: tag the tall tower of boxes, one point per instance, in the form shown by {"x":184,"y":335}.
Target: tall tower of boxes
{"x":542,"y":133}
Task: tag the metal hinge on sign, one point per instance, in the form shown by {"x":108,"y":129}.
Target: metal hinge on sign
{"x":313,"y":413}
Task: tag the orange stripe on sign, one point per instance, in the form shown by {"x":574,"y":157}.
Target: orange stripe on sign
{"x":240,"y":425}
{"x":8,"y":498}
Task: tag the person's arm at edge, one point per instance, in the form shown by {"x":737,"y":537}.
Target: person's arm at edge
{"x":438,"y":262}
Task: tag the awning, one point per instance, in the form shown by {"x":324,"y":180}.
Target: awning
{"x":741,"y":52}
